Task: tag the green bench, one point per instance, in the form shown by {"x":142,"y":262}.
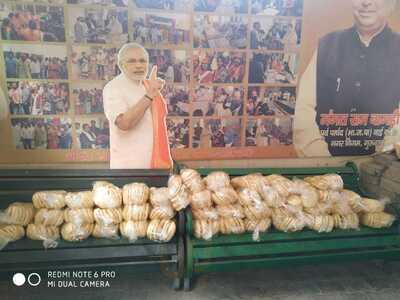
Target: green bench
{"x":237,"y":252}
{"x":92,"y":254}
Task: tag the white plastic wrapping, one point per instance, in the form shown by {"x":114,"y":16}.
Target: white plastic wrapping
{"x":308,"y":194}
{"x":161,"y":230}
{"x":175,"y":185}
{"x":231,"y":226}
{"x":18,"y":213}
{"x":271,"y":196}
{"x":10,"y":233}
{"x":251,"y":181}
{"x":225,"y":196}
{"x":281,"y":184}
{"x":76,"y":232}
{"x":321,"y":223}
{"x":48,"y":234}
{"x":49,"y":199}
{"x":230,"y":211}
{"x":217,"y":180}
{"x":354,"y":200}
{"x":49,"y":217}
{"x":133,"y":230}
{"x":350,"y":221}
{"x":377,"y":219}
{"x":136,"y":193}
{"x":373,"y":205}
{"x":109,"y":231}
{"x":326,"y":182}
{"x":79,"y":216}
{"x":257,"y":226}
{"x":107,"y":195}
{"x":181,"y":200}
{"x":201,"y":199}
{"x":107,"y":216}
{"x":162,"y":212}
{"x":76,"y":200}
{"x":249,"y":197}
{"x":205,"y":229}
{"x":192,"y":179}
{"x":205,"y":213}
{"x":159,"y":196}
{"x":136,"y":212}
{"x":261,"y":211}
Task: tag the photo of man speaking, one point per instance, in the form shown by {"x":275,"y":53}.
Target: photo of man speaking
{"x":349,"y":95}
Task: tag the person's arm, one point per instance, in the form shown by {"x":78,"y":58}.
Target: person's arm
{"x":129,"y":119}
{"x":306,"y":135}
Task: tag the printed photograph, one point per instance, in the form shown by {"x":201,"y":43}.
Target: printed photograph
{"x":224,"y":101}
{"x":216,"y":133}
{"x":173,"y":65}
{"x":177,"y":99}
{"x":179,"y":5}
{"x":33,"y":23}
{"x":94,"y":63}
{"x":161,"y":29}
{"x":277,"y":7}
{"x":52,"y":2}
{"x":41,"y":133}
{"x":274,"y":68}
{"x":119,"y":3}
{"x":276,"y":34}
{"x":92,"y":132}
{"x":219,"y":32}
{"x":87,"y":98}
{"x":38,"y":98}
{"x":34,"y":61}
{"x":98,"y":25}
{"x":269,"y":132}
{"x":219,"y":67}
{"x":278,"y":101}
{"x":178,"y":133}
{"x":221,"y":6}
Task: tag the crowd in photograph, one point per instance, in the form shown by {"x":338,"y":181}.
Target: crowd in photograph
{"x":154,"y":33}
{"x":120,"y":3}
{"x":41,"y":133}
{"x":219,"y":67}
{"x":88,"y":101}
{"x":177,"y":99}
{"x":280,"y":35}
{"x":95,"y":64}
{"x":218,"y":101}
{"x":91,"y":136}
{"x":162,"y":4}
{"x":221,"y":6}
{"x":219,"y":32}
{"x":271,"y":101}
{"x":277,"y":7}
{"x":34,"y":23}
{"x":266,"y":132}
{"x":178,"y":133}
{"x":170,"y":67}
{"x":216,"y":133}
{"x":38,"y":98}
{"x":99,"y":26}
{"x":33,"y":66}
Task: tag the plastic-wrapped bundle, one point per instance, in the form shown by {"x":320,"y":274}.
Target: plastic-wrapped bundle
{"x":136,"y":212}
{"x":107,"y":195}
{"x":161,"y":230}
{"x":206,"y":213}
{"x":79,"y":216}
{"x":109,"y":231}
{"x":354,"y":200}
{"x":205,"y":229}
{"x":225,"y":196}
{"x":230,"y":211}
{"x":192,"y":179}
{"x":308,"y":194}
{"x":257,"y":212}
{"x":78,"y":200}
{"x":342,"y":207}
{"x":76,"y":232}
{"x":133,"y":230}
{"x":251,"y":181}
{"x":49,"y":199}
{"x":108,"y":216}
{"x":217,"y":180}
{"x":350,"y":221}
{"x":11,"y":233}
{"x":181,"y":200}
{"x":326,"y":182}
{"x":321,"y":223}
{"x":136,"y":193}
{"x":249,"y":197}
{"x":175,"y":185}
{"x":372,"y":205}
{"x":201,"y":199}
{"x":320,"y":209}
{"x":162,"y":212}
{"x":257,"y":226}
{"x":271,"y":196}
{"x":231,"y":226}
{"x":48,"y":234}
{"x":295,"y":201}
{"x":284,"y":220}
{"x":18,"y":213}
{"x":377,"y":219}
{"x":281,"y":184}
{"x":49,"y":217}
{"x":159,"y":196}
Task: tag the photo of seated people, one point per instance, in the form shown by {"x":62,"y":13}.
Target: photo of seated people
{"x":178,"y":133}
{"x":277,"y":7}
{"x":98,"y":25}
{"x":177,"y":99}
{"x":34,"y":61}
{"x":120,"y":3}
{"x":33,"y":23}
{"x":219,"y":32}
{"x":41,"y":133}
{"x":172,"y":65}
{"x":92,"y":133}
{"x":221,"y":6}
{"x":53,"y":2}
{"x":277,"y":68}
{"x":216,"y":133}
{"x":179,"y":5}
{"x":94,"y":63}
{"x":219,"y":67}
{"x":276,"y":34}
{"x":37,"y":98}
{"x":88,"y":98}
{"x":269,"y":132}
{"x":278,"y":101}
{"x":152,"y":29}
{"x":224,"y":101}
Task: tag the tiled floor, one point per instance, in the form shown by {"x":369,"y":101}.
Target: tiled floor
{"x":355,"y":281}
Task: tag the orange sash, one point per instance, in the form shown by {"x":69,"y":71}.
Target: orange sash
{"x":161,"y":156}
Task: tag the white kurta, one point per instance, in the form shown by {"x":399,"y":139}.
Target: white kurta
{"x":129,"y":149}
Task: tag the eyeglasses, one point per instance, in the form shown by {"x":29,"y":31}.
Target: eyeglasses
{"x":134,"y":61}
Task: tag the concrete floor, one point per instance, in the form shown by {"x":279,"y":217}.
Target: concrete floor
{"x":358,"y":281}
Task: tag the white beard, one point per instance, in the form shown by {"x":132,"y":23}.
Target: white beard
{"x":3,"y":105}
